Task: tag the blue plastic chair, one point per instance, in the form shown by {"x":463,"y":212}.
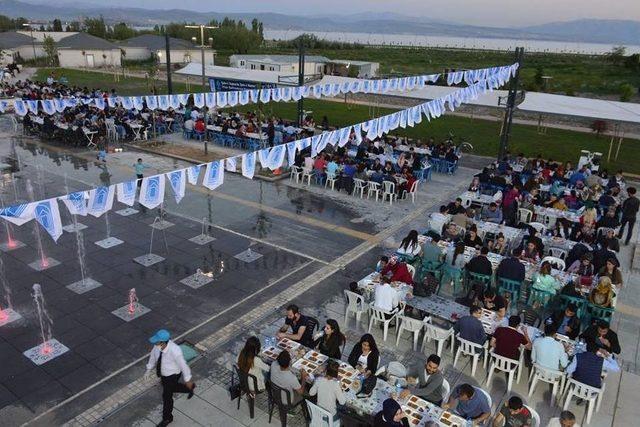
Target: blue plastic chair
{"x":596,"y":312}
{"x":580,"y":303}
{"x":187,"y":134}
{"x":198,"y":135}
{"x":537,"y":295}
{"x":451,"y":274}
{"x":511,"y":286}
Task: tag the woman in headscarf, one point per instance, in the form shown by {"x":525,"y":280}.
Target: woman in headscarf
{"x":391,"y":415}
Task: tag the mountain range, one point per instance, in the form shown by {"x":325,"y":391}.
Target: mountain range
{"x":585,"y":30}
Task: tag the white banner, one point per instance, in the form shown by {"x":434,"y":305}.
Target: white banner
{"x":178,"y":182}
{"x":248,"y":164}
{"x":100,"y":200}
{"x":76,"y":203}
{"x":48,"y":215}
{"x":127,"y":192}
{"x":152,"y":191}
{"x":214,"y":175}
{"x":193,"y":172}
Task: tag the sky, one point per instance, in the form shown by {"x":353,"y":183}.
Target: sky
{"x":498,"y":13}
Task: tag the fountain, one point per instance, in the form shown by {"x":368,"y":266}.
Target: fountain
{"x":8,"y":314}
{"x":108,"y":242}
{"x":44,"y":262}
{"x":85,"y":284}
{"x":11,"y":242}
{"x":50,"y":347}
{"x":133,"y":309}
{"x":162,"y":224}
{"x":201,"y":277}
{"x":203,"y":238}
{"x":248,"y":255}
{"x":150,"y":259}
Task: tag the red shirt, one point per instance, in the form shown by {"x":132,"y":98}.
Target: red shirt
{"x":199,"y":126}
{"x":400,"y":273}
{"x":319,"y":164}
{"x":508,"y":342}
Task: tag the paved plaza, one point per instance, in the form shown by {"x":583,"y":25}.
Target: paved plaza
{"x":312,"y":243}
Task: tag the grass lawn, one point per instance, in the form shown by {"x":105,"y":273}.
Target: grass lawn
{"x":557,"y":144}
{"x":484,"y":135}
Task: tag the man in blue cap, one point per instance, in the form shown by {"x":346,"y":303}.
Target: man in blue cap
{"x":167,"y":360}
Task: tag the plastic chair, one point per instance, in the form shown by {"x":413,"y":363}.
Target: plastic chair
{"x":600,"y":313}
{"x":389,"y":191}
{"x":198,"y":135}
{"x":473,"y":350}
{"x":550,"y":376}
{"x":488,"y":396}
{"x":187,"y":134}
{"x":549,"y":220}
{"x":330,"y":179}
{"x":356,"y":305}
{"x":582,"y":391}
{"x":540,"y":228}
{"x":557,"y":263}
{"x":580,"y":303}
{"x":377,"y":315}
{"x":535,"y":417}
{"x":359,"y":185}
{"x":412,"y":325}
{"x":308,"y":174}
{"x":440,"y":335}
{"x":320,"y":417}
{"x":482,"y":278}
{"x":412,"y":191}
{"x":275,"y":399}
{"x":243,"y":382}
{"x":446,"y":390}
{"x":524,"y":215}
{"x":296,"y":174}
{"x":511,"y":286}
{"x":453,"y":275}
{"x":558,"y":253}
{"x":543,"y":297}
{"x":412,"y":270}
{"x":374,"y":188}
{"x":506,"y":365}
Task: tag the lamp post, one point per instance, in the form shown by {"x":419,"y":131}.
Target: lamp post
{"x":510,"y":106}
{"x":202,"y":45}
{"x":33,"y":41}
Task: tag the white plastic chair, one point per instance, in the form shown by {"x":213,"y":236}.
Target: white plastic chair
{"x":549,"y":220}
{"x":296,"y":174}
{"x":373,"y":188}
{"x":538,"y":226}
{"x":359,"y":185}
{"x":377,"y":315}
{"x":558,"y":253}
{"x":446,"y":390}
{"x":389,"y":191}
{"x":440,"y":335}
{"x":473,"y":350}
{"x":412,"y":325}
{"x":412,"y":270}
{"x":535,"y":417}
{"x":549,"y":376}
{"x":320,"y":417}
{"x":331,"y":179}
{"x":582,"y":391}
{"x":524,"y":215}
{"x":488,"y":396}
{"x":356,"y":305}
{"x":504,"y":364}
{"x":557,"y":263}
{"x":413,"y":191}
{"x":307,"y":174}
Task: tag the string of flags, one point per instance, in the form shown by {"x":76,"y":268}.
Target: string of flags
{"x":99,"y":200}
{"x":233,"y":98}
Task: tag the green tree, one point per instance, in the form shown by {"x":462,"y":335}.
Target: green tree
{"x":616,"y":55}
{"x":96,"y":27}
{"x":57,"y":25}
{"x":73,"y":26}
{"x":6,"y":23}
{"x":633,"y":62}
{"x":626,"y":92}
{"x":50,"y":50}
{"x":122,"y":31}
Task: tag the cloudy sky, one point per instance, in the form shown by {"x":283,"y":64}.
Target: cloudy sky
{"x":502,"y":13}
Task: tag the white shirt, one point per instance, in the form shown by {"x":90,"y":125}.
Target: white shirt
{"x":328,"y":391}
{"x":386,"y":298}
{"x":555,"y":422}
{"x":172,"y":361}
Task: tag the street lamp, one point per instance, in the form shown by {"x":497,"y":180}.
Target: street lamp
{"x":202,"y":45}
{"x":33,"y":41}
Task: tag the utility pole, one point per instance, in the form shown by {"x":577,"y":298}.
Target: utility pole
{"x":300,"y":78}
{"x":168,"y":53}
{"x":511,"y":105}
{"x":33,"y":41}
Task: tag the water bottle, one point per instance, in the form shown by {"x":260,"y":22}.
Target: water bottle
{"x":398,"y":387}
{"x":379,"y":267}
{"x":469,"y":423}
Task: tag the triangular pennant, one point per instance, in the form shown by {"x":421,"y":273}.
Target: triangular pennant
{"x":152,"y":191}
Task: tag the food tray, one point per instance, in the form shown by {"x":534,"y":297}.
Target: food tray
{"x":272,"y":352}
{"x":346,"y":371}
{"x":449,"y":420}
{"x":316,"y":357}
{"x":287,"y":344}
{"x":307,"y":365}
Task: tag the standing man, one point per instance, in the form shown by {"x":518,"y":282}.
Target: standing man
{"x":629,"y":211}
{"x":167,"y":360}
{"x":139,"y":167}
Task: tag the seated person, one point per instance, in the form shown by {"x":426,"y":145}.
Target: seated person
{"x":456,"y":207}
{"x":603,"y":293}
{"x":455,"y":256}
{"x":431,"y":252}
{"x":506,"y":340}
{"x":513,"y":414}
{"x":353,"y":287}
{"x":328,"y":389}
{"x":480,"y":264}
{"x":391,"y":415}
{"x":386,"y":297}
{"x":548,"y":352}
{"x":470,"y":327}
{"x":282,"y":376}
{"x":298,"y":323}
{"x":611,"y":271}
{"x":566,"y":419}
{"x":544,"y":281}
{"x":469,"y":402}
{"x":495,"y":302}
{"x":587,"y":367}
{"x":331,"y":340}
{"x":493,"y":214}
{"x":437,"y":220}
{"x":464,"y":219}
{"x":602,"y":336}
{"x":530,"y":253}
{"x":511,"y":268}
{"x":499,"y":245}
{"x":609,"y":240}
{"x":397,"y":271}
{"x":365,"y":356}
{"x":472,"y":239}
{"x":427,"y":382}
{"x":452,"y":233}
{"x":409,"y":245}
{"x":565,"y":322}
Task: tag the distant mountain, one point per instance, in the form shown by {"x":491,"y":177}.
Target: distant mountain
{"x":589,"y":30}
{"x":592,"y":30}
